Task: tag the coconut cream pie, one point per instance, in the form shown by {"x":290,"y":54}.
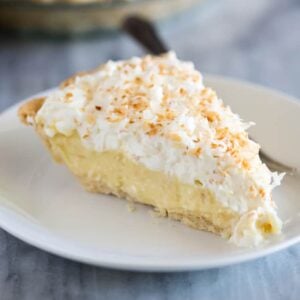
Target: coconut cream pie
{"x":148,"y":130}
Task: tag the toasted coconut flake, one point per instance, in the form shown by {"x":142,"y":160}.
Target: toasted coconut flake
{"x":212,"y":116}
{"x":174,"y":137}
{"x":246,"y":164}
{"x":262,"y":192}
{"x":196,"y":151}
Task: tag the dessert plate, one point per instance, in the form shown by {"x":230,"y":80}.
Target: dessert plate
{"x":41,"y":203}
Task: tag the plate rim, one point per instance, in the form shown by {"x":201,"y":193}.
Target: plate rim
{"x":135,"y":264}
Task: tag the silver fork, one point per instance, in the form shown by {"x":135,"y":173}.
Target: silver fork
{"x":144,"y":32}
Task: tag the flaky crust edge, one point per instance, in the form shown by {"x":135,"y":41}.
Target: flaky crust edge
{"x":29,"y":109}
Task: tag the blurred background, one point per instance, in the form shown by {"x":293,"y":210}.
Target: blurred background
{"x":44,"y":41}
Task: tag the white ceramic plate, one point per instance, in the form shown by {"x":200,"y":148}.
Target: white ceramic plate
{"x":42,"y":204}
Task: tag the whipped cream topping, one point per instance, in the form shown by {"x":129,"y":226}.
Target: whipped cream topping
{"x":157,"y":111}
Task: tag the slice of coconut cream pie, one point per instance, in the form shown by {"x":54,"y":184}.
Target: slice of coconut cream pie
{"x":148,"y":130}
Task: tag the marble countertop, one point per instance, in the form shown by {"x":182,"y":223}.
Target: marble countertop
{"x":254,"y":40}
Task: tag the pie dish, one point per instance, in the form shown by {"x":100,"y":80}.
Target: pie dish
{"x":77,"y":17}
{"x":148,"y":130}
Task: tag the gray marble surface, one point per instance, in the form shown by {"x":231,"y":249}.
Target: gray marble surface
{"x":255,"y":40}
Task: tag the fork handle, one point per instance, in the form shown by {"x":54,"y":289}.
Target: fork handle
{"x":144,"y":32}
